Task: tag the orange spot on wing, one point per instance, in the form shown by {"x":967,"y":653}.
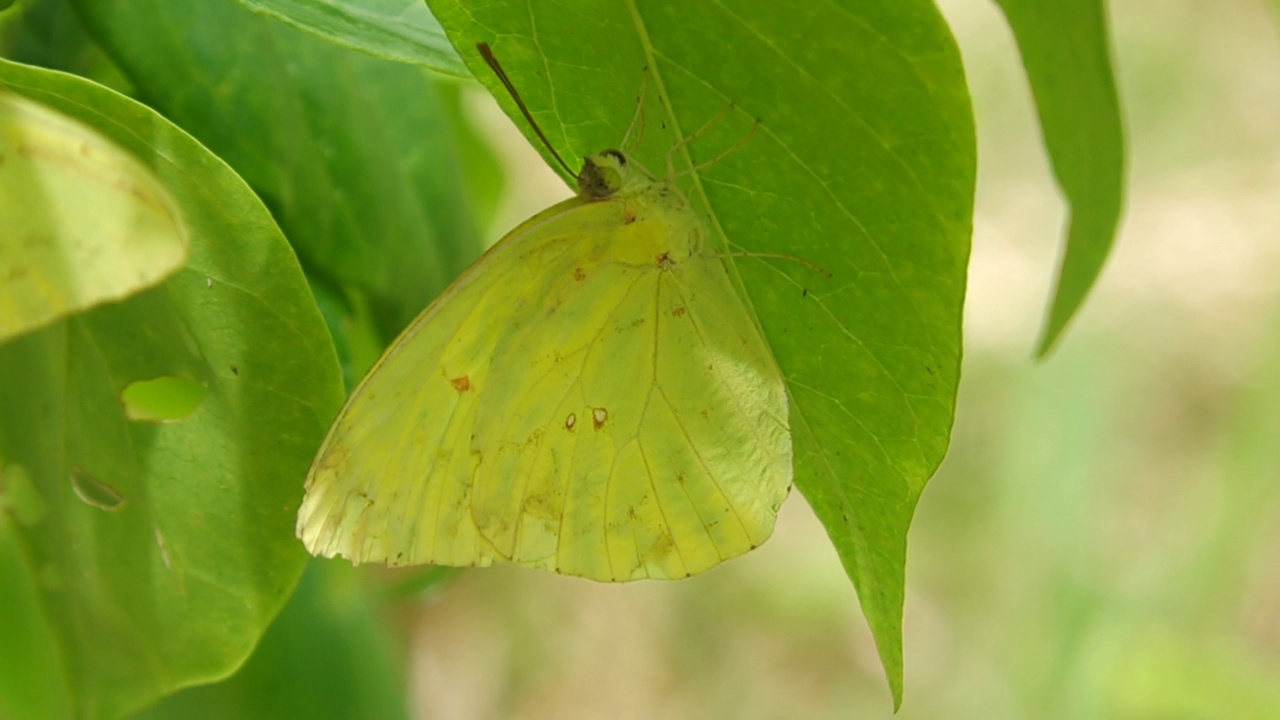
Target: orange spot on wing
{"x":461,"y":384}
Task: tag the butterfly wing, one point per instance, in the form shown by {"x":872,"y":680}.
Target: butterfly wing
{"x":591,"y":398}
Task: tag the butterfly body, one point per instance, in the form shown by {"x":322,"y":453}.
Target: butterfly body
{"x":591,"y":397}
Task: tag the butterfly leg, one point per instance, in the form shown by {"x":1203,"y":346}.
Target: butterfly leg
{"x":636,"y":130}
{"x":672,"y":174}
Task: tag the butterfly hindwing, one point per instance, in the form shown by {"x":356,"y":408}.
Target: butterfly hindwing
{"x":591,"y":398}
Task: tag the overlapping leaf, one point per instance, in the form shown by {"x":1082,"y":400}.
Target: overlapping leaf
{"x":354,"y":154}
{"x":401,"y":30}
{"x":161,"y":549}
{"x":1066,"y":53}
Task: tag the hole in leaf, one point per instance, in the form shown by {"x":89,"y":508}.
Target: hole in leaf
{"x":163,"y":399}
{"x":95,"y":492}
{"x":19,"y":497}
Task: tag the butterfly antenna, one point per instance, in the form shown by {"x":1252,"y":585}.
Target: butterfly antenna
{"x":487,"y":53}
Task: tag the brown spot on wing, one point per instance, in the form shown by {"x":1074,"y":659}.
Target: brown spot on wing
{"x":579,"y":274}
{"x":599,"y":416}
{"x":461,"y":384}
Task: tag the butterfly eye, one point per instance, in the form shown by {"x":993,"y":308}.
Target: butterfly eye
{"x":617,"y":155}
{"x":597,"y":181}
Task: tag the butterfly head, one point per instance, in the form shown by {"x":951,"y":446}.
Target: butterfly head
{"x":603,"y":175}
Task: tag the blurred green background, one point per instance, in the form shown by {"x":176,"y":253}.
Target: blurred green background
{"x":1103,"y":540}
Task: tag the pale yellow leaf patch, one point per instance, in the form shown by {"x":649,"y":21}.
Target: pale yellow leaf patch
{"x":82,"y":222}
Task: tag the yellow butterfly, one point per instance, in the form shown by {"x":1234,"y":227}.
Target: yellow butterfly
{"x":591,"y":397}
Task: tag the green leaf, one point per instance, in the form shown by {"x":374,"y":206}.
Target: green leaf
{"x":84,"y":222}
{"x":10,"y":21}
{"x":482,"y":168}
{"x":862,"y":164}
{"x":47,"y":33}
{"x":354,"y":154}
{"x":1065,"y":52}
{"x":399,"y":30}
{"x":161,"y":550}
{"x":32,"y":686}
{"x":326,"y":656}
